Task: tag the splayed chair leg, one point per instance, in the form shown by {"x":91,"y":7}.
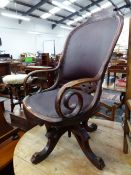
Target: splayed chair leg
{"x":53,"y":135}
{"x":83,"y":140}
{"x":80,"y":131}
{"x":90,"y":128}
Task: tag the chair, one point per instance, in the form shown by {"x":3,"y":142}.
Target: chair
{"x":73,"y":99}
{"x":14,"y":84}
{"x":120,"y":68}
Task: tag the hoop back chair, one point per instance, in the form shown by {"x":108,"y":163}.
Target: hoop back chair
{"x":74,"y":97}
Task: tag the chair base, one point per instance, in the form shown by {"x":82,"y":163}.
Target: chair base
{"x":80,"y":131}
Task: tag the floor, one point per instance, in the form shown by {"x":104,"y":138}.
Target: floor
{"x":67,"y":157}
{"x":108,"y":96}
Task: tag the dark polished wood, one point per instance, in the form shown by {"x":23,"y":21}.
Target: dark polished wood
{"x":80,"y":132}
{"x":69,"y":106}
{"x":19,"y":120}
{"x":4,"y":126}
{"x":110,"y":109}
{"x":45,"y":59}
{"x":42,"y":76}
{"x":29,"y":69}
{"x":16,"y":93}
{"x":4,"y":68}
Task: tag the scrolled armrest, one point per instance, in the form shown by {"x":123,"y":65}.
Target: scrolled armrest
{"x":71,"y":89}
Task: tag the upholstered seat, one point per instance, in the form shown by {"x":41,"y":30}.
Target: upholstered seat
{"x":14,"y":83}
{"x":67,"y":107}
{"x":14,"y":79}
{"x":45,"y":105}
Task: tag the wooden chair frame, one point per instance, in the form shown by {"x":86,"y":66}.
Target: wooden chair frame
{"x":76,"y":120}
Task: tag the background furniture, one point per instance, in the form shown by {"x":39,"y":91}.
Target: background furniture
{"x":29,"y":69}
{"x":69,"y":108}
{"x":109,"y":108}
{"x":14,"y":66}
{"x":14,"y":84}
{"x":45,"y":59}
{"x":46,"y":78}
{"x":5,"y":57}
{"x":8,"y":139}
{"x":127,"y":120}
{"x":37,"y":81}
{"x":118,"y":68}
{"x":106,"y":142}
{"x":4,"y":69}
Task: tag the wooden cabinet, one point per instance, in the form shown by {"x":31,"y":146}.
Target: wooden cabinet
{"x":45,"y":59}
{"x":4,"y":68}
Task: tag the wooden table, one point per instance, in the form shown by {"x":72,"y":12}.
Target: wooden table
{"x":32,"y":68}
{"x":122,"y":69}
{"x":107,"y":142}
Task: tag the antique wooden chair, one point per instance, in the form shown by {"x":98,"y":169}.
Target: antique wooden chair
{"x":73,"y":99}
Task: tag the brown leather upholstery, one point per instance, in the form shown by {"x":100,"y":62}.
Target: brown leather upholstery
{"x":45,"y":104}
{"x":86,"y":54}
{"x":88,"y":47}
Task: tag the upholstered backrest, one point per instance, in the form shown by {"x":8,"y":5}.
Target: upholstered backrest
{"x":89,"y":47}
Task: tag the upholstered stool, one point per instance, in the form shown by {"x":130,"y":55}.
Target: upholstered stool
{"x":14,"y":84}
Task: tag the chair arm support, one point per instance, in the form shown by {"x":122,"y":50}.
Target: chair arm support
{"x":28,"y":80}
{"x":70,"y":89}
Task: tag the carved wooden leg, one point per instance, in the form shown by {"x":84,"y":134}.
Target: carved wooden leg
{"x":83,"y":140}
{"x":125,"y":145}
{"x":53,"y":135}
{"x":11,"y":99}
{"x":89,"y":128}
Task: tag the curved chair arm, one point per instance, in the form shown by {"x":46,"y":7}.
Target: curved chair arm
{"x":29,"y":80}
{"x":70,"y":89}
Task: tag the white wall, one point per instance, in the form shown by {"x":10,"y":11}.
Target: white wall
{"x":123,"y":40}
{"x":16,"y":40}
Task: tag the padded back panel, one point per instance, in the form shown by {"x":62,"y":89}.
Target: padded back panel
{"x":89,"y":47}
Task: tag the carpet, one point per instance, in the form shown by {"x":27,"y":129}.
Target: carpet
{"x":110,"y":97}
